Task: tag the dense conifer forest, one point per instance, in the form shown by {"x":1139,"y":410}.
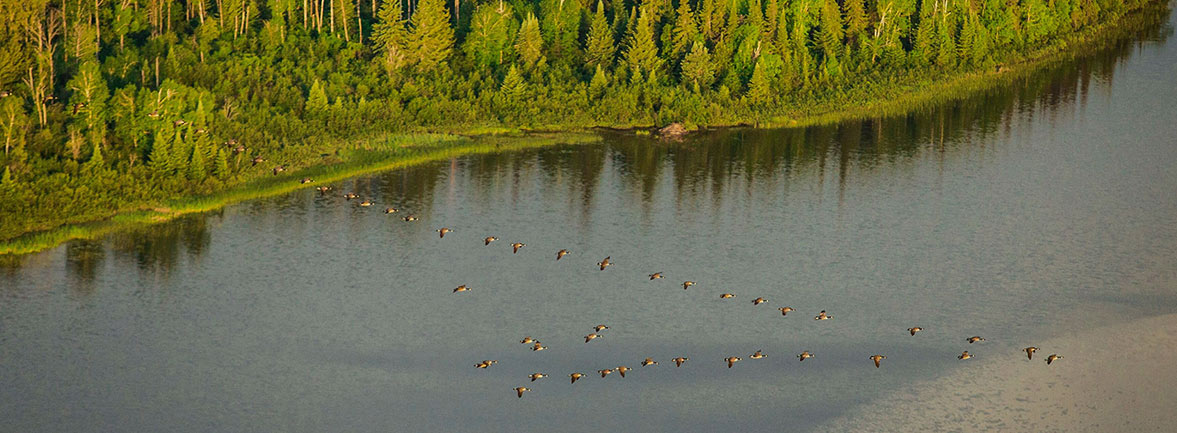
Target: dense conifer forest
{"x":115,"y":105}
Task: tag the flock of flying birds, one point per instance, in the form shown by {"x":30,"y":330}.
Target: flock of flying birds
{"x":536,"y":345}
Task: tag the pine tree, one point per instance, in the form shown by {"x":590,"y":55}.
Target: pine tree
{"x":317,"y":98}
{"x":697,"y":68}
{"x":755,"y":16}
{"x":96,"y":162}
{"x":600,"y":46}
{"x":432,"y":37}
{"x":390,"y":35}
{"x":945,"y":42}
{"x":598,"y":84}
{"x":686,"y":31}
{"x":221,"y":165}
{"x":759,"y":91}
{"x":641,"y":53}
{"x":160,"y":157}
{"x":561,"y":28}
{"x":7,"y":181}
{"x":196,"y":165}
{"x":529,"y":43}
{"x":854,"y":12}
{"x":514,"y":87}
{"x":830,"y":33}
{"x":706,"y":18}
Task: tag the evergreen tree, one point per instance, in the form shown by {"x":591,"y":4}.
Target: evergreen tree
{"x":529,"y":43}
{"x":561,"y":27}
{"x":7,"y":181}
{"x":432,"y":37}
{"x":759,"y":91}
{"x":830,"y":33}
{"x":317,"y":98}
{"x":641,"y":53}
{"x":706,"y":18}
{"x":697,"y":67}
{"x":945,"y":42}
{"x":391,"y":36}
{"x":600,"y":46}
{"x":685,"y":31}
{"x":514,"y":87}
{"x":854,"y":12}
{"x":96,"y":162}
{"x":196,"y":165}
{"x":221,"y":165}
{"x":598,"y":84}
{"x":160,"y":157}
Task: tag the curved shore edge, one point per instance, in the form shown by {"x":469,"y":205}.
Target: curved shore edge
{"x":431,"y":147}
{"x":1114,"y":378}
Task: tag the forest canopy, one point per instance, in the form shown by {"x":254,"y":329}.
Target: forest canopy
{"x":109,"y":105}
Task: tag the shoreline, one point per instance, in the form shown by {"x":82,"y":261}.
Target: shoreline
{"x":427,"y":147}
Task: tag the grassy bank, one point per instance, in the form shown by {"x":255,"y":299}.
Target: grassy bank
{"x":395,"y":152}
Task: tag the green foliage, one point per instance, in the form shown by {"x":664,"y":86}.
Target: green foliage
{"x":432,"y":38}
{"x":641,"y":53}
{"x":391,"y":36}
{"x":685,"y":32}
{"x":181,"y":104}
{"x":492,"y":35}
{"x":600,"y":47}
{"x":530,"y":42}
{"x":317,"y":97}
{"x":561,"y":26}
{"x":697,"y":68}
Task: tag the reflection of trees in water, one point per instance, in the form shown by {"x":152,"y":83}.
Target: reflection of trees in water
{"x":83,"y":259}
{"x":157,"y":248}
{"x":702,"y":167}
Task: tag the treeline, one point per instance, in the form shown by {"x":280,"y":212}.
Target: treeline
{"x":107,"y":105}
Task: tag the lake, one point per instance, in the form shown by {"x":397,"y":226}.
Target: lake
{"x":1024,"y":214}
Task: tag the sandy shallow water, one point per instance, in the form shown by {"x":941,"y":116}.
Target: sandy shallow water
{"x":1114,"y":378}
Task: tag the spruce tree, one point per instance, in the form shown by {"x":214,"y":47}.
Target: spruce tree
{"x":830,"y":33}
{"x":641,"y":53}
{"x":96,"y":162}
{"x":317,"y":97}
{"x":945,"y":42}
{"x":432,"y":38}
{"x":221,"y":165}
{"x":196,"y":165}
{"x":598,"y":84}
{"x":561,"y":28}
{"x":759,"y":90}
{"x":697,"y":68}
{"x":686,"y":31}
{"x":390,"y":34}
{"x":514,"y":87}
{"x":529,"y":43}
{"x":160,"y":157}
{"x":600,"y":46}
{"x":854,"y":12}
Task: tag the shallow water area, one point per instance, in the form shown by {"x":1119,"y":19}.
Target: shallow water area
{"x":1025,"y":214}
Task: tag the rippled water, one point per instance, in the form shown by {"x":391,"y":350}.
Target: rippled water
{"x":1032,"y":211}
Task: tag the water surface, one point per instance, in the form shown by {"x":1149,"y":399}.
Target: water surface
{"x":1032,"y":211}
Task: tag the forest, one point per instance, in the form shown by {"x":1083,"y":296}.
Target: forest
{"x":115,"y":105}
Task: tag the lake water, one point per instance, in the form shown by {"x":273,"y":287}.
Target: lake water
{"x":1036,"y":210}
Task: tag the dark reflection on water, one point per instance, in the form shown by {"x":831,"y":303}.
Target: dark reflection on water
{"x":1003,"y":214}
